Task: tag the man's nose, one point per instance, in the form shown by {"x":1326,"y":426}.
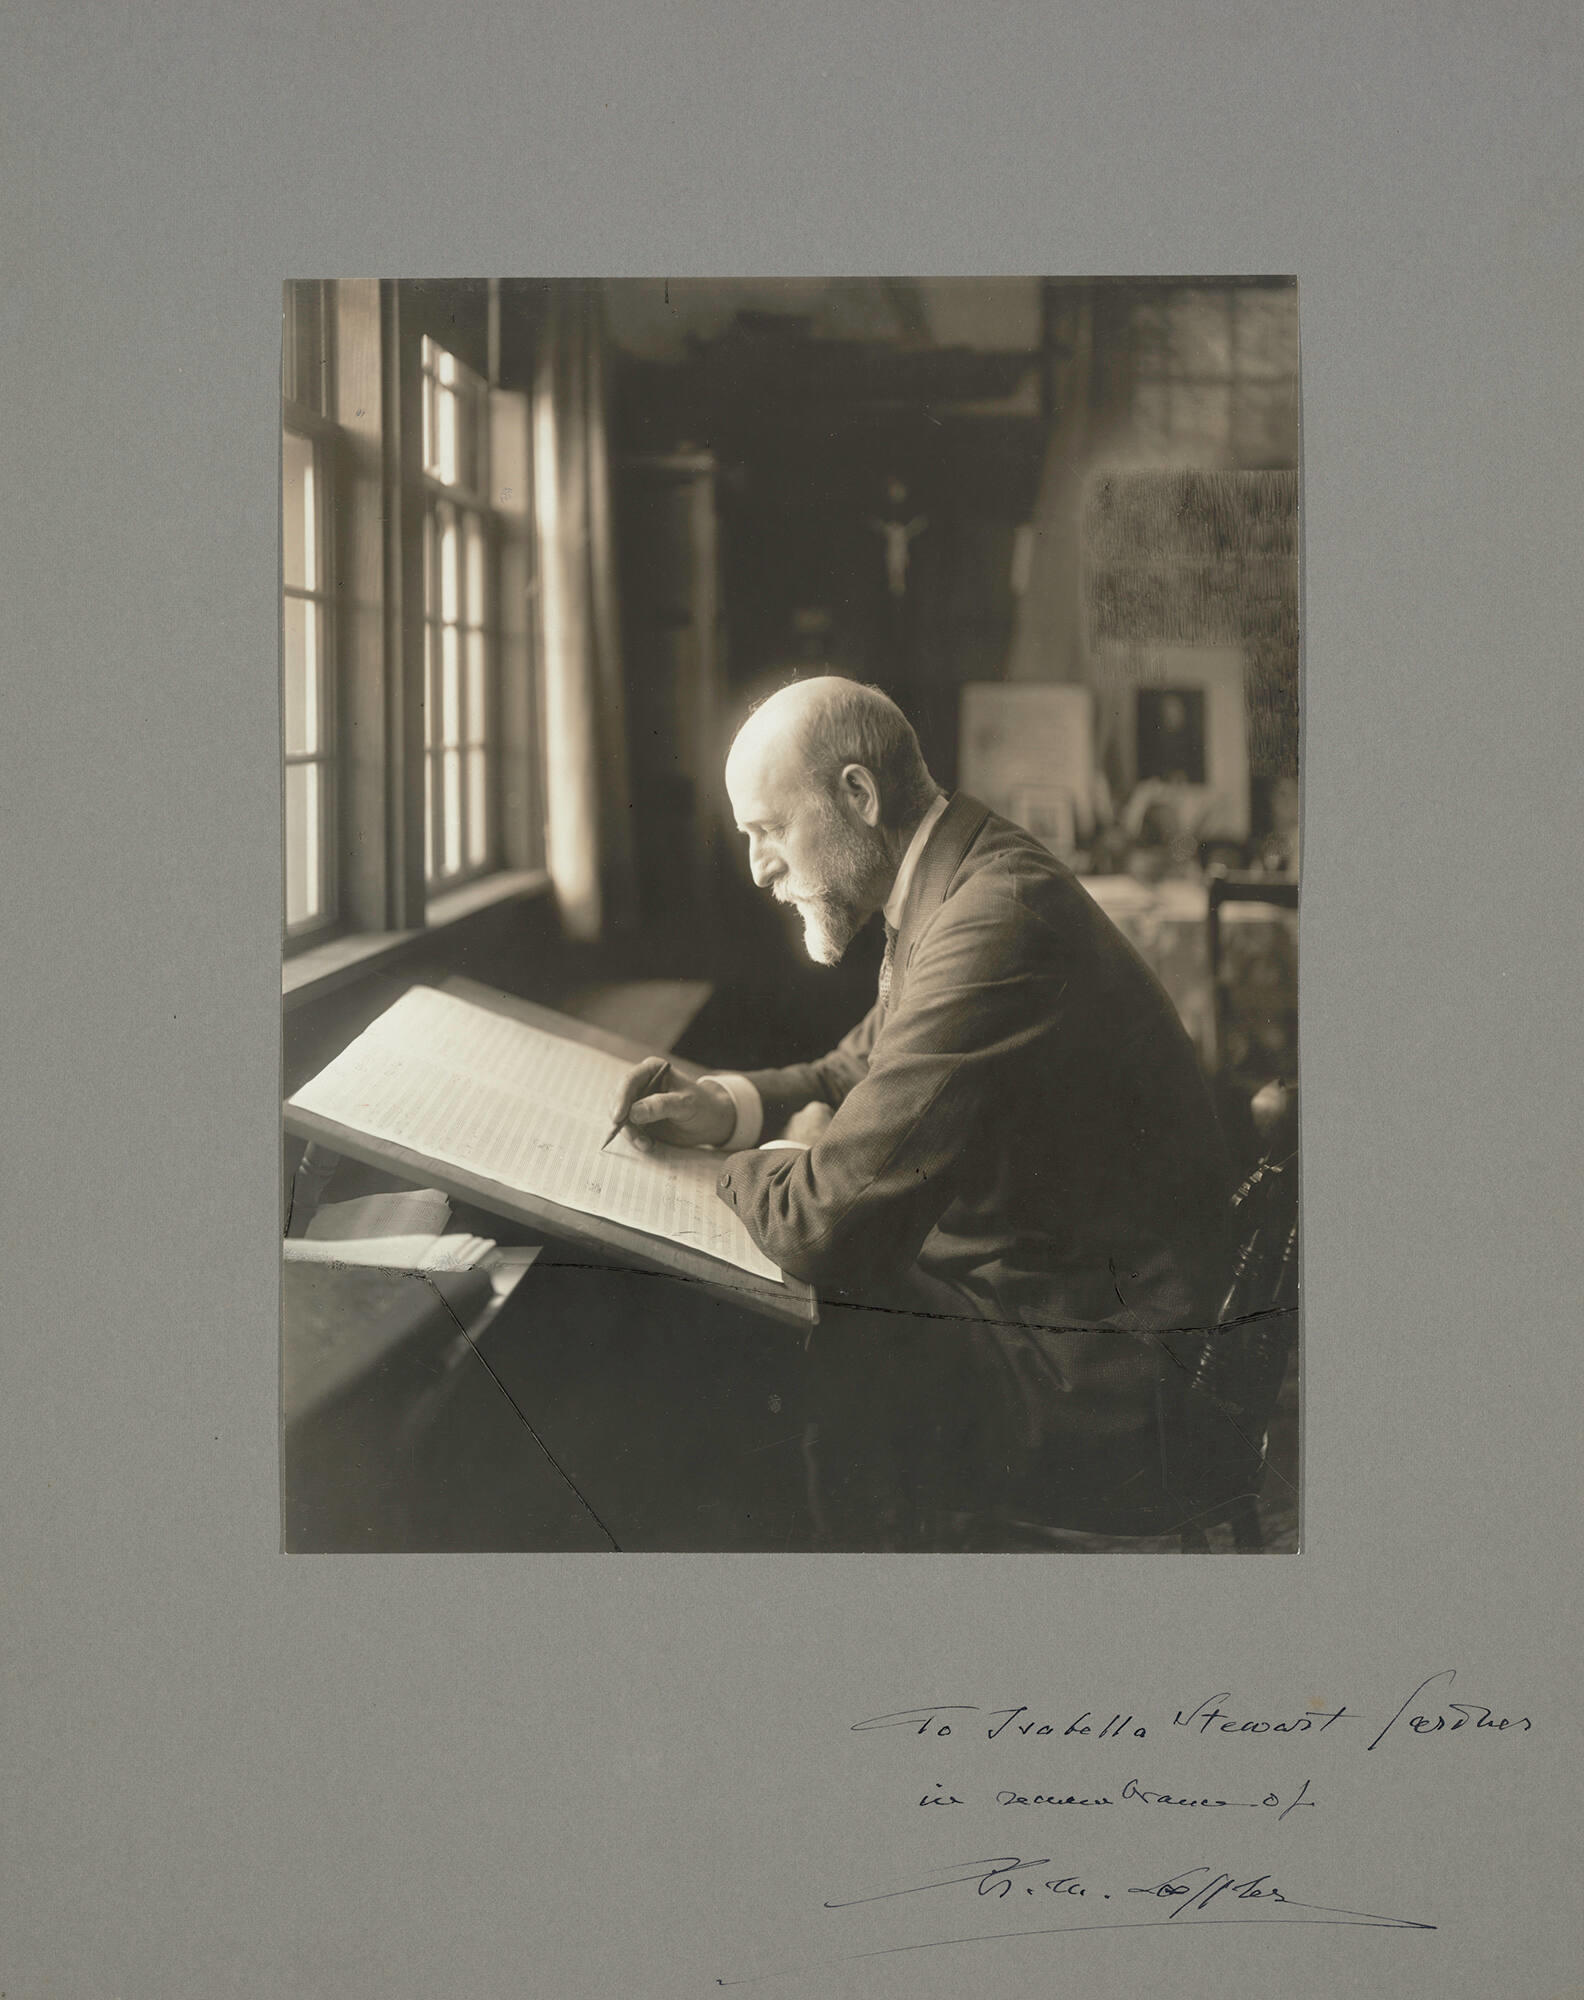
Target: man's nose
{"x":763,"y":865}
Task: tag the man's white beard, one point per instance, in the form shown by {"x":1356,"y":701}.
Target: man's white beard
{"x":833,"y":913}
{"x":828,"y":929}
{"x":829,"y":924}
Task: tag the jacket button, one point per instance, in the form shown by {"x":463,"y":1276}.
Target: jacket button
{"x":724,"y":1182}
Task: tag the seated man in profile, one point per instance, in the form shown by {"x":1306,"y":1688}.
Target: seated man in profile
{"x":1012,"y":1161}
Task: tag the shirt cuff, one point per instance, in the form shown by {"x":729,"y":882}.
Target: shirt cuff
{"x":749,"y":1106}
{"x":784,"y":1146}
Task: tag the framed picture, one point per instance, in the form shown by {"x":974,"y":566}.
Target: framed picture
{"x":1171,"y":734}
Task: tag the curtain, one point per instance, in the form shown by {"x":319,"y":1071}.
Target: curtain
{"x":588,"y":836}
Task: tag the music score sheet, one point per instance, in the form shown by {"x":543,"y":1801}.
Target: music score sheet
{"x":532,"y":1110}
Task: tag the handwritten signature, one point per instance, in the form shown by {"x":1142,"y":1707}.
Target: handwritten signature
{"x":1187,"y":1898}
{"x":1191,"y":1891}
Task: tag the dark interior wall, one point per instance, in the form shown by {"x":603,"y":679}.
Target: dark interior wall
{"x":805,"y":570}
{"x":819,"y":443}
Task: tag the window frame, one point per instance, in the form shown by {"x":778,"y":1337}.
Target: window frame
{"x":308,"y":317}
{"x":377,"y":497}
{"x":468,"y":502}
{"x":320,"y":432}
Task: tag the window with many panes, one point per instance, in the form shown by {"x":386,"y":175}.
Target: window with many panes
{"x":1216,"y":373}
{"x":459,"y":623}
{"x":307,"y":635}
{"x":408,"y":659}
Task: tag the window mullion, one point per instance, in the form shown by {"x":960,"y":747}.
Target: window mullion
{"x":407,"y":747}
{"x":308,"y":668}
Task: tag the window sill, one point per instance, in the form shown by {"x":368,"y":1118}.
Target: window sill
{"x":322,"y":968}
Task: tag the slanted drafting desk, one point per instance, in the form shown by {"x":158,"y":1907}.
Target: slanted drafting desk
{"x":789,"y":1299}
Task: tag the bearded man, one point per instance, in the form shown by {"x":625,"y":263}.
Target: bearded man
{"x":1011,"y":1164}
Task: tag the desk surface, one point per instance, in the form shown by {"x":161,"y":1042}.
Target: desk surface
{"x":398,"y":1434}
{"x":341,"y":1322}
{"x":582,"y":1418}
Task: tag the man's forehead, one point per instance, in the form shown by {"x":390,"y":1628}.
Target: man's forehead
{"x":765,"y":772}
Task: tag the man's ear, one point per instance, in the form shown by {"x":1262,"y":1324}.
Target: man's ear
{"x":860,"y":793}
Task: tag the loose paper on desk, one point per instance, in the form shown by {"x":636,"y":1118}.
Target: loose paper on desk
{"x":457,"y":1252}
{"x":401,"y":1212}
{"x":497,"y":1097}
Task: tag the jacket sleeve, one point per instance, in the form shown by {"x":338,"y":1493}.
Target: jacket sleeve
{"x":827,"y":1081}
{"x":982,"y":999}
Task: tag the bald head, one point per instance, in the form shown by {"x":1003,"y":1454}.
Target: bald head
{"x":813,"y":730}
{"x":827,"y":781}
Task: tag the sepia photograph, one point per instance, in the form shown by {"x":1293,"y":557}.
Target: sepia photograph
{"x":791,"y":856}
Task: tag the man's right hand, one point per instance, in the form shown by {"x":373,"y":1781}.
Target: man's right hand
{"x":686,"y":1114}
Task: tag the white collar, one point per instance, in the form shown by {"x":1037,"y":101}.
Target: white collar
{"x":910,"y":861}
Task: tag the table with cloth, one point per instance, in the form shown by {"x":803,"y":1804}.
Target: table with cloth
{"x":1168,"y":925}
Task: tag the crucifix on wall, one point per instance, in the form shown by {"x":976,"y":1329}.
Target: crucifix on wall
{"x":899,"y":533}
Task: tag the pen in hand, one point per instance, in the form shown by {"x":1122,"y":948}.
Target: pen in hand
{"x":658,"y":1082}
